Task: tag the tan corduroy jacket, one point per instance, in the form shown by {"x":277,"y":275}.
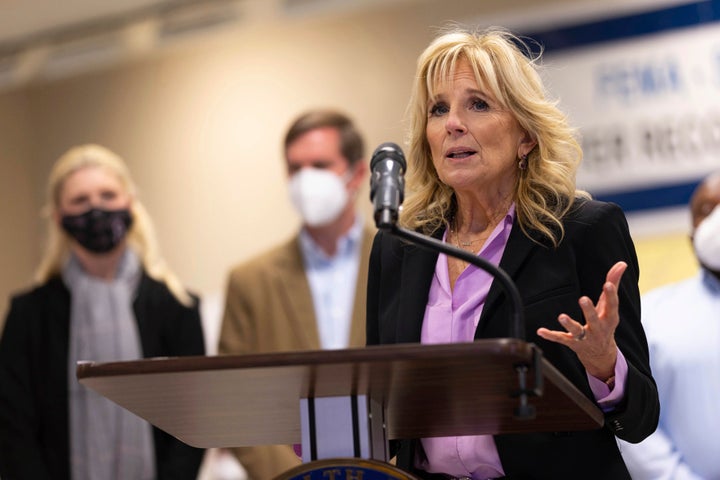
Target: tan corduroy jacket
{"x":269,"y":308}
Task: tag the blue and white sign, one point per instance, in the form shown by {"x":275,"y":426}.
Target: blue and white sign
{"x":644,"y":90}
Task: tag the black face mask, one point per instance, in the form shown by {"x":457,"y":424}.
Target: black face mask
{"x":98,"y":230}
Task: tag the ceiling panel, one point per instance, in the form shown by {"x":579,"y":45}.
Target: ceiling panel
{"x":20,"y":19}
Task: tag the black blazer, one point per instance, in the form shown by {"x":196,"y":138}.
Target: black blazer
{"x":34,"y":431}
{"x":550,"y":281}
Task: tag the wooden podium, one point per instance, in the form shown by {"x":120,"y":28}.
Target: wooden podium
{"x":347,"y":403}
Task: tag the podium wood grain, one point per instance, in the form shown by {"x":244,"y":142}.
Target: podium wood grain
{"x":428,"y":390}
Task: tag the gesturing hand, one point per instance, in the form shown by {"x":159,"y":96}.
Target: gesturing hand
{"x":594,"y":342}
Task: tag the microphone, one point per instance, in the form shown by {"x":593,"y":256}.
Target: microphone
{"x":387,"y":184}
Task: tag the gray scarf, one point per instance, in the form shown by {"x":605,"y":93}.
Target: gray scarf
{"x":107,"y":442}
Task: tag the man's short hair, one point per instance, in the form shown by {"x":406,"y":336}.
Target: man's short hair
{"x":351,"y":141}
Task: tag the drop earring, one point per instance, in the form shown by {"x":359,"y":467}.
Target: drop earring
{"x":522,"y":164}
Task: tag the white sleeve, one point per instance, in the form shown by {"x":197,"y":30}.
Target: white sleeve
{"x":655,"y":458}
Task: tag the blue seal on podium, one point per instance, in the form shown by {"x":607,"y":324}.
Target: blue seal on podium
{"x":345,"y":469}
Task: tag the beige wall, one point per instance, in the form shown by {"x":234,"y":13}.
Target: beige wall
{"x":201,"y":129}
{"x":18,"y":208}
{"x":200,"y":126}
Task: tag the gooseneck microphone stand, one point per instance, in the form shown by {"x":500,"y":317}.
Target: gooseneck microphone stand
{"x":387,"y":221}
{"x":518,"y":318}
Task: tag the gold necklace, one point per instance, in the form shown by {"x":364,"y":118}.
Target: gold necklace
{"x":462,"y":264}
{"x":459,"y":242}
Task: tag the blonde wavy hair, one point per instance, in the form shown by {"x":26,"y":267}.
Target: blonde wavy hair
{"x":141,"y":236}
{"x":505,"y":66}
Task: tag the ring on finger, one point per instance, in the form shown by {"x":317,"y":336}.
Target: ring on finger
{"x":581,"y":336}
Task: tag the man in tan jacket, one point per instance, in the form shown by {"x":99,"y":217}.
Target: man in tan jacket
{"x":309,"y":292}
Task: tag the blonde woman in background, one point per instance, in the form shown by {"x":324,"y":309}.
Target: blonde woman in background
{"x":103,"y":294}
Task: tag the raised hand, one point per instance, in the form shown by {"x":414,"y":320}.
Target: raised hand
{"x":593,"y":342}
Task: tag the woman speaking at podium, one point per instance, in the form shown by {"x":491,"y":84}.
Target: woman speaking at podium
{"x":103,"y":295}
{"x":491,"y":170}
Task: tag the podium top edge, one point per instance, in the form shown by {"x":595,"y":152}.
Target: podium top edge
{"x":519,"y":350}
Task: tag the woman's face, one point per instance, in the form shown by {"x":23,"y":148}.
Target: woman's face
{"x":92,"y":187}
{"x":475,"y":144}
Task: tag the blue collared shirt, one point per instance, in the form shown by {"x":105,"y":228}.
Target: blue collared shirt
{"x":332,"y":283}
{"x":682,"y":323}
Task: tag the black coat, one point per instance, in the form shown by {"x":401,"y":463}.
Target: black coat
{"x":550,"y":281}
{"x":34,"y":429}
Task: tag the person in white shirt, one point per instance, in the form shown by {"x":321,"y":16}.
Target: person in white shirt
{"x":682,"y":323}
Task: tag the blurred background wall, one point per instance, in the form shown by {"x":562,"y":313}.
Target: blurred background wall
{"x":196,"y":100}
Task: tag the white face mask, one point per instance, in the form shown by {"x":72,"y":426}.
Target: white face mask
{"x":318,"y":195}
{"x":706,"y":240}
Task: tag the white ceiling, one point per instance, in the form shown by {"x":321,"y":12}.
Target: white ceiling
{"x":50,"y":38}
{"x":24,"y":20}
{"x":53,"y":38}
{"x":20,"y":19}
